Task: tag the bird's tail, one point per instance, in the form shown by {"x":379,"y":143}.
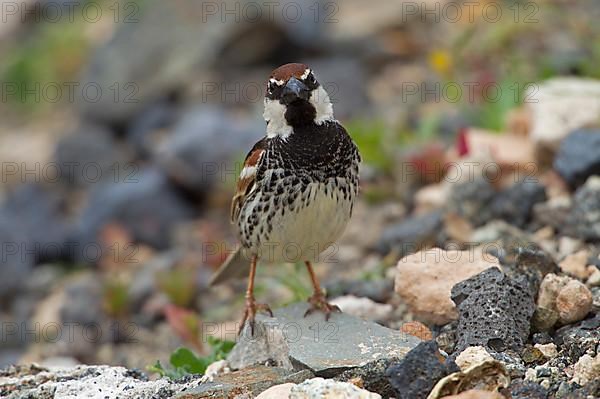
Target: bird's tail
{"x":236,"y":266}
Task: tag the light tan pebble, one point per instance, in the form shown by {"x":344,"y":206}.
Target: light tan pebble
{"x":471,"y":356}
{"x":214,"y":369}
{"x":280,"y":391}
{"x":594,"y":279}
{"x":567,"y":246}
{"x":548,"y":350}
{"x":587,"y":369}
{"x":530,"y":375}
{"x":576,"y":264}
{"x":545,"y":233}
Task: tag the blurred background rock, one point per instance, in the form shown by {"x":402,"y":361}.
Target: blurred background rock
{"x":123,"y":125}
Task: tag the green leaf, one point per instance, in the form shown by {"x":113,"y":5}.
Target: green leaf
{"x":185,"y":359}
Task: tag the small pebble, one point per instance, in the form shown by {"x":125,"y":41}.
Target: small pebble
{"x":417,"y":329}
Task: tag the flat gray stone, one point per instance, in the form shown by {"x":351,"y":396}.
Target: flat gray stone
{"x":328,"y":348}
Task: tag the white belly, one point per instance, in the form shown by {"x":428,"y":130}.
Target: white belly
{"x":311,"y":229}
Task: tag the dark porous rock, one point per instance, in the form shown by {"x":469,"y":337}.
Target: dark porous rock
{"x":148,"y":208}
{"x":205,"y":146}
{"x":584,"y":219}
{"x":472,"y":200}
{"x":411,"y":235}
{"x":38,"y":213}
{"x":535,"y":264}
{"x":578,"y":157}
{"x":520,"y":389}
{"x":575,"y":340}
{"x":494,"y":311}
{"x":416,"y":375}
{"x":371,"y":377}
{"x":516,"y":203}
{"x":90,"y":155}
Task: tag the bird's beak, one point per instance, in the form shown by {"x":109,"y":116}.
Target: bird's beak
{"x":294,"y":90}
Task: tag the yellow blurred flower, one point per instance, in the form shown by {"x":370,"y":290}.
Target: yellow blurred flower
{"x":441,"y":61}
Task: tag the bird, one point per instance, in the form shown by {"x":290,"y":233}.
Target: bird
{"x":297,"y":187}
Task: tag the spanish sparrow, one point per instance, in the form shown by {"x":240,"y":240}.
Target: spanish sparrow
{"x":297,"y":187}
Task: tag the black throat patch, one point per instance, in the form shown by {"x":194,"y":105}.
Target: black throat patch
{"x":300,"y":113}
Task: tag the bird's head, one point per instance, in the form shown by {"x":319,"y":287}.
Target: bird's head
{"x":295,"y":98}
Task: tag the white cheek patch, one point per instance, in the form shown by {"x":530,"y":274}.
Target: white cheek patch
{"x":305,"y":74}
{"x":320,"y":100}
{"x":277,"y":82}
{"x":274,"y":114}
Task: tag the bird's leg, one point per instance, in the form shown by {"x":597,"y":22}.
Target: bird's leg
{"x":317,"y":300}
{"x":251,"y":306}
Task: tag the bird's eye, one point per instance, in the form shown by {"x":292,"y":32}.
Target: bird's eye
{"x":310,"y":80}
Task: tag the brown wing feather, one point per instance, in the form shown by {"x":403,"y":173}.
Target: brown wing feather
{"x":247,"y":178}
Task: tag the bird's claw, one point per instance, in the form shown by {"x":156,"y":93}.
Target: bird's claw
{"x":319,"y":304}
{"x":250,"y":313}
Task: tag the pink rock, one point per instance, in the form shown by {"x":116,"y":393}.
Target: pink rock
{"x":424,"y":280}
{"x":574,"y":302}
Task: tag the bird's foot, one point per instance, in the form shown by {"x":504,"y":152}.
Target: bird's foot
{"x":250,"y":313}
{"x":319,"y":304}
